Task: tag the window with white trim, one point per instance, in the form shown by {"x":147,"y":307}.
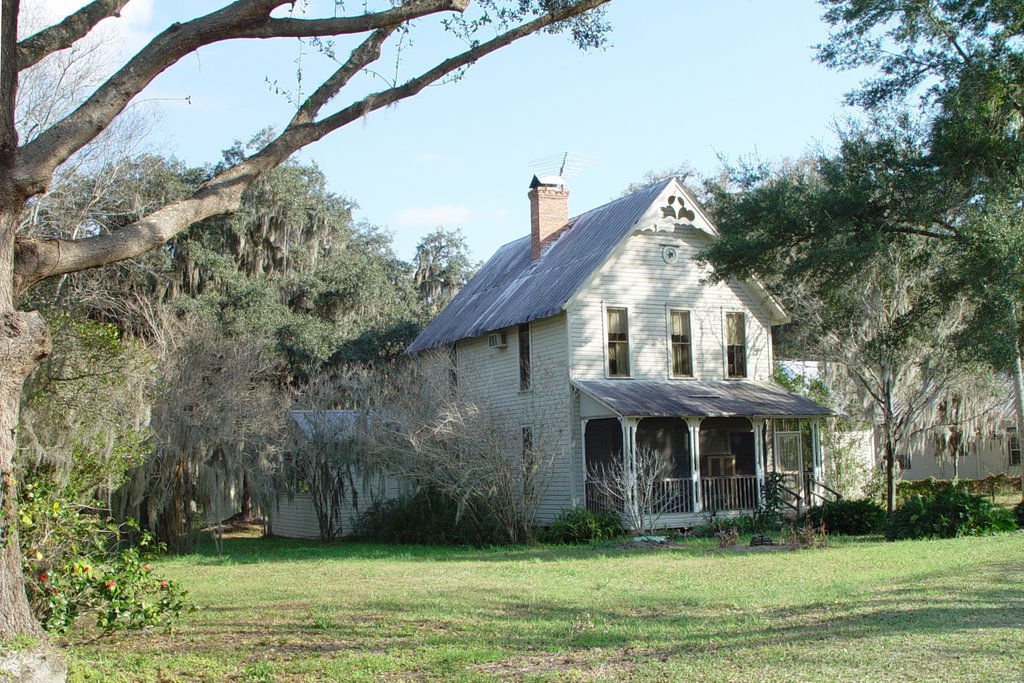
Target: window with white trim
{"x":618,"y":342}
{"x":527,"y":441}
{"x":524,"y":357}
{"x":680,"y":344}
{"x":735,"y":345}
{"x":1014,"y":444}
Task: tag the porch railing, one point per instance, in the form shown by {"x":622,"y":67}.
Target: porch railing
{"x":675,"y":496}
{"x":729,"y":493}
{"x":668,"y":496}
{"x":600,"y":499}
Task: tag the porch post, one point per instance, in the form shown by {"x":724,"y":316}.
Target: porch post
{"x":775,"y":447}
{"x":583,"y":465}
{"x":816,"y":463}
{"x":693,"y":424}
{"x":758,"y":426}
{"x":629,"y":465}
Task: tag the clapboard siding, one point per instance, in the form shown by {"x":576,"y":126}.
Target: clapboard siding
{"x":295,"y":516}
{"x":639,"y":279}
{"x":985,"y":457}
{"x":491,"y":377}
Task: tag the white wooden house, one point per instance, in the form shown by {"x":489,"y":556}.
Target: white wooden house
{"x":598,"y":336}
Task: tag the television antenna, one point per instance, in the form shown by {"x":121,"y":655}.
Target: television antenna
{"x":564,"y":164}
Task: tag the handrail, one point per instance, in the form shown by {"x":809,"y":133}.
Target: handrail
{"x":831,"y":490}
{"x":799,"y":499}
{"x":815,"y":483}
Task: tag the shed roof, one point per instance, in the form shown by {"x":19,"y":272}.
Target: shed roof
{"x":513,"y":288}
{"x":324,"y":423}
{"x":703,"y":398}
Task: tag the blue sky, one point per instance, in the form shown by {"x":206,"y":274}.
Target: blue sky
{"x":683,"y":81}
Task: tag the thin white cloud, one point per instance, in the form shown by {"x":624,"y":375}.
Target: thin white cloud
{"x":448,"y":215}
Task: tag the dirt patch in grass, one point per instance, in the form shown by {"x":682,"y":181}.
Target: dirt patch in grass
{"x":572,"y":665}
{"x":747,"y":548}
{"x":682,"y":543}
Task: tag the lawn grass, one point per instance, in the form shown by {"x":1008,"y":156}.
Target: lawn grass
{"x":859,"y":610}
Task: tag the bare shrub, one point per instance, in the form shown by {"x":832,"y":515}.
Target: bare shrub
{"x":807,"y":536}
{"x":328,"y":456}
{"x":428,"y":434}
{"x":728,"y":537}
{"x":216,"y":432}
{"x":634,"y":486}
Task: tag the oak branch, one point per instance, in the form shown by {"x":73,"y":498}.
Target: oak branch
{"x":30,"y":167}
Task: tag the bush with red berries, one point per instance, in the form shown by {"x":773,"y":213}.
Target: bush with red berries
{"x":78,"y":563}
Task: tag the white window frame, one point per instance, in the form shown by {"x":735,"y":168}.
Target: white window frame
{"x":519,"y":371}
{"x":669,"y":310}
{"x":725,"y":345}
{"x":1011,"y":435}
{"x":629,"y":339}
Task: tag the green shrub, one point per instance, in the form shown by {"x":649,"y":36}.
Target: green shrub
{"x":768,"y":515}
{"x":1018,"y":512}
{"x":583,"y":526}
{"x":994,"y":484}
{"x":427,"y":517}
{"x":905,"y":490}
{"x":76,"y":563}
{"x":950,"y":512}
{"x":849,"y":517}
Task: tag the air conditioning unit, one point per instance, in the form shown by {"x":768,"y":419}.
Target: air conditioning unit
{"x":497,"y":341}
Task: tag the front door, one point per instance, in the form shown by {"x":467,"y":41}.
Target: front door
{"x":790,"y":457}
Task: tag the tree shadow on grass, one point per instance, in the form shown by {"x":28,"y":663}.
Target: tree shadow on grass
{"x":935,"y":602}
{"x":930,"y":609}
{"x":264,"y":550}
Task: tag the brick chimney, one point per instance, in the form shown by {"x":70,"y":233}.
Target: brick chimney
{"x":549,"y":210}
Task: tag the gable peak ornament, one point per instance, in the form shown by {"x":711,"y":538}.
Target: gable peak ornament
{"x":676,"y":209}
{"x":674,"y":214}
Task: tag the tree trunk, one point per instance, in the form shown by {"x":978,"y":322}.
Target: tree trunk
{"x":890,"y":448}
{"x":1018,"y":390}
{"x":890,"y":476}
{"x":24,"y":341}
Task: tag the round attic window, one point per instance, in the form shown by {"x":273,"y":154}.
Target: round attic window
{"x":670,"y":254}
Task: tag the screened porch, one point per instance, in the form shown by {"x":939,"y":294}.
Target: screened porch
{"x":690,"y":466}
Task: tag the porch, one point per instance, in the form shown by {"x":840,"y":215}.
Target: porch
{"x":710,"y":457}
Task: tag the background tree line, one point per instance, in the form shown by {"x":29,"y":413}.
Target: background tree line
{"x":166,"y":395}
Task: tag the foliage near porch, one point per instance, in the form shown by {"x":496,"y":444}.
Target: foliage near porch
{"x":858,"y":610}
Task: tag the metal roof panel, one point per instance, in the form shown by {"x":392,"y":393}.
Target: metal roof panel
{"x":699,"y":398}
{"x":512,"y":288}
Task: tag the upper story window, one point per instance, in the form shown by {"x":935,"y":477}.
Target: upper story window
{"x":618,"y":342}
{"x":524,"y":357}
{"x":679,"y":338}
{"x":1011,"y":433}
{"x":735,"y":345}
{"x":453,"y":367}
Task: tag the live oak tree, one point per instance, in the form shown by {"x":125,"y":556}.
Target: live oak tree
{"x":940,"y":159}
{"x":443,"y":267}
{"x":842,"y":240}
{"x":963,"y":62}
{"x":27,"y":166}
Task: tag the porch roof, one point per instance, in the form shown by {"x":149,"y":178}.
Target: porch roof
{"x":699,"y":398}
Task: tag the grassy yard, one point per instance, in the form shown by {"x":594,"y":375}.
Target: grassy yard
{"x":275,"y":610}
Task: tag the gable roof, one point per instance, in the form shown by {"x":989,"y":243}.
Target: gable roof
{"x":513,"y":288}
